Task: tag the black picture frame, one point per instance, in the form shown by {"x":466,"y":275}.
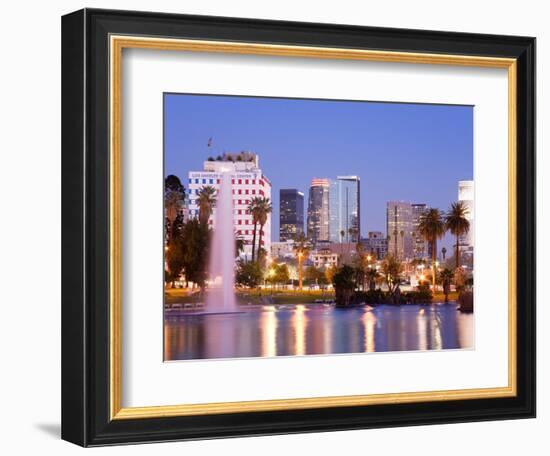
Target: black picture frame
{"x":85,"y":225}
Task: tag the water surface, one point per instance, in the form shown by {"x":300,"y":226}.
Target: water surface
{"x":288,"y":330}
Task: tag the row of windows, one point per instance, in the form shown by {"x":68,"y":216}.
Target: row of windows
{"x":235,"y":192}
{"x":247,"y":232}
{"x":244,"y":211}
{"x":233,"y":181}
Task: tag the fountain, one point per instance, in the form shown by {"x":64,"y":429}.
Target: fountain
{"x":220,"y":296}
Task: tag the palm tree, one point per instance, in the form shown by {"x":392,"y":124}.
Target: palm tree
{"x":207,"y":201}
{"x":432,"y":227}
{"x":457,"y":224}
{"x":301,"y":248}
{"x":264,"y":209}
{"x":371,"y":275}
{"x":254,"y":208}
{"x":392,"y":269}
{"x":446,"y":277}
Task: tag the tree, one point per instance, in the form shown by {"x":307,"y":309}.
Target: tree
{"x":315,"y":276}
{"x":264,"y":208}
{"x":392,"y":269}
{"x":174,"y":197}
{"x":446,"y":276}
{"x":195,"y":243}
{"x":329,"y":273}
{"x":207,"y":201}
{"x":173,"y":252}
{"x":432,"y":228}
{"x":301,"y":249}
{"x":344,"y":285}
{"x":254,"y":208}
{"x":457,"y":223}
{"x":371,"y":275}
{"x":249,"y":274}
{"x":278,"y":273}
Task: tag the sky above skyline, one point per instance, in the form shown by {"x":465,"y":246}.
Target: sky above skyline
{"x":405,"y":152}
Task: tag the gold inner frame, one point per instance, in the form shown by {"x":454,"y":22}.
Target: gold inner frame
{"x":117,"y":44}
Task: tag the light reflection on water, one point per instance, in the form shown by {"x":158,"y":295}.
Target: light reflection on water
{"x":314,"y":330}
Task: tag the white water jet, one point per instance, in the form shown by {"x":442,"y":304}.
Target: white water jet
{"x":220,"y":296}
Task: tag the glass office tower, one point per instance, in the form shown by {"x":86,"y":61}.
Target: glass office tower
{"x":344,"y":209}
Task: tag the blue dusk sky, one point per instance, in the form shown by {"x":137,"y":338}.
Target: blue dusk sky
{"x":408,"y":152}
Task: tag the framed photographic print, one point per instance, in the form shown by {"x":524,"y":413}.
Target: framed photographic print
{"x":279,"y":227}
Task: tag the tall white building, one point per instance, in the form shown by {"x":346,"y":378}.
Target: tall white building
{"x":466,"y":195}
{"x":247,"y":182}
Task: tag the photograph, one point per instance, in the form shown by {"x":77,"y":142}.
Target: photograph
{"x":315,"y":227}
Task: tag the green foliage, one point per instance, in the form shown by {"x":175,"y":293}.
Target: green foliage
{"x":259,"y":207}
{"x":174,"y":197}
{"x":392,"y":269}
{"x":278,"y":274}
{"x":445,"y":278}
{"x":315,"y":276}
{"x":344,"y":278}
{"x":457,"y":223}
{"x":195,"y":245}
{"x":206,"y":202}
{"x":344,"y":282}
{"x":249,"y":274}
{"x":371,"y":275}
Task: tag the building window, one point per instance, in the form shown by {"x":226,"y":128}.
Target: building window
{"x":196,"y":181}
{"x":240,"y":181}
{"x":211,"y":181}
{"x":246,"y":181}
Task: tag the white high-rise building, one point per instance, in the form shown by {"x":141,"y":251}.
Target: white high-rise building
{"x":247,"y":181}
{"x":466,"y":195}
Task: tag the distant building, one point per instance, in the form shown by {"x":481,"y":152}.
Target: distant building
{"x":291,"y":214}
{"x":318,"y":211}
{"x":344,"y":209}
{"x":283,"y":249}
{"x":399,"y":229}
{"x":376,"y":244}
{"x":420,"y":246}
{"x":466,"y":196}
{"x":248,"y":181}
{"x":324,"y":259}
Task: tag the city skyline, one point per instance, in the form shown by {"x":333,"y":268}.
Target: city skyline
{"x":436,"y":153}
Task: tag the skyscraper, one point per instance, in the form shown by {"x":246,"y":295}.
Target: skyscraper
{"x":399,"y":228}
{"x":291,"y":213}
{"x":420,"y":246}
{"x":466,"y":196}
{"x":344,"y":209}
{"x":318,"y":210}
